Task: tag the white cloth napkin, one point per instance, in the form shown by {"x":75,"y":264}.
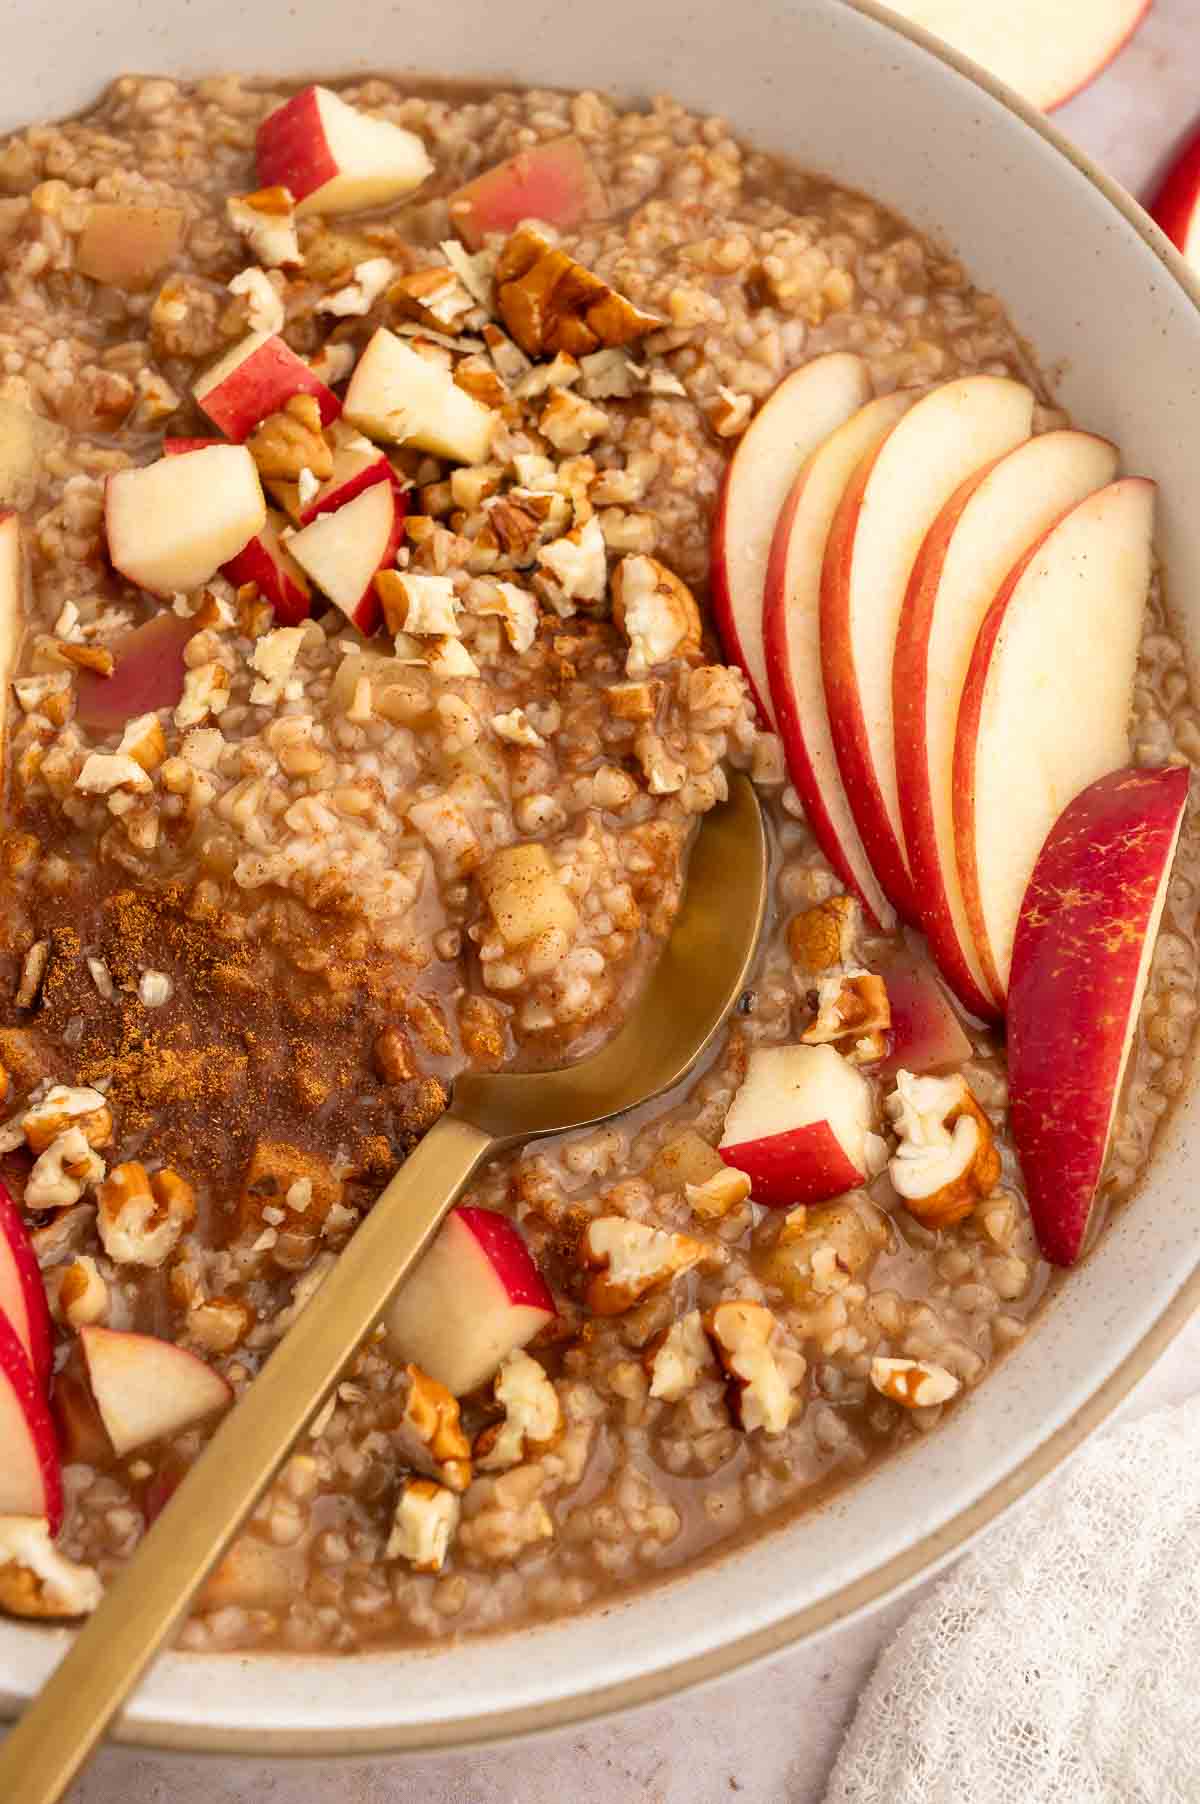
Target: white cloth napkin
{"x":1060,"y":1661}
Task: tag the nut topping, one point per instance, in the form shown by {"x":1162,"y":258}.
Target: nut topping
{"x":946,"y":1161}
{"x":533,"y":1418}
{"x":551,"y":303}
{"x":632,"y":1259}
{"x":913,"y":1383}
{"x":854,"y":1009}
{"x":426,"y":1518}
{"x":763,"y":1369}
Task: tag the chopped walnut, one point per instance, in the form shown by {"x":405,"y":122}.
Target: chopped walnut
{"x":205,"y":692}
{"x":424,"y":1525}
{"x":104,"y":772}
{"x":292,"y":440}
{"x":763,"y":1369}
{"x":521,"y":519}
{"x":142,"y":1218}
{"x":719,"y":1195}
{"x":38,"y":1581}
{"x":63,"y":1107}
{"x":431,"y":1415}
{"x":264,"y":303}
{"x":63,"y":1172}
{"x":516,"y":609}
{"x":356,"y":300}
{"x":266,"y":219}
{"x":418,"y":604}
{"x":852,"y":1008}
{"x":947,"y":1160}
{"x":914,"y":1383}
{"x":533,"y":1418}
{"x":823,"y":938}
{"x":577,"y":563}
{"x":78,"y":1293}
{"x":435,"y":297}
{"x":631,"y":1258}
{"x":551,"y":303}
{"x":678,"y":1359}
{"x":571,"y":423}
{"x":144,"y":741}
{"x":656,"y":612}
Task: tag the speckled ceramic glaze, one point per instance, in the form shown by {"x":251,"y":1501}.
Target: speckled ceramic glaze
{"x":1114,"y":317}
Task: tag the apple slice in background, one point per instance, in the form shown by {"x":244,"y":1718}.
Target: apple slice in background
{"x":799,"y":1125}
{"x":475,"y":1296}
{"x":927,"y":1035}
{"x":401,"y":398}
{"x":1046,"y":703}
{"x":1046,"y":49}
{"x":172,"y":524}
{"x":267,"y":562}
{"x":146,"y":1388}
{"x":22,"y":1293}
{"x":254,"y":379}
{"x":889,"y":504}
{"x":792,"y":643}
{"x":343,"y":552}
{"x":148,"y":675}
{"x":30,"y":1472}
{"x":357,"y":464}
{"x":805,"y":408}
{"x":1174,"y":205}
{"x":335,"y":158}
{"x":552,"y":182}
{"x":989,"y":521}
{"x":1081,"y":959}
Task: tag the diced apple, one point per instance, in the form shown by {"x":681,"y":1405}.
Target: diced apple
{"x":806,"y":407}
{"x":22,"y":1293}
{"x":172,"y":524}
{"x":399,"y":397}
{"x":1046,"y":55}
{"x":30,"y":1473}
{"x":128,"y":246}
{"x":799,"y":1125}
{"x":267,"y":562}
{"x":986,"y":525}
{"x":792,"y":643}
{"x":256,"y":378}
{"x":475,"y":1296}
{"x":179,"y":447}
{"x":147,"y":1388}
{"x":1175,"y":204}
{"x":344,"y":551}
{"x":148,"y":675}
{"x":336,"y":159}
{"x":889,"y":504}
{"x":1046,"y":703}
{"x":1081,"y":957}
{"x":25,"y":438}
{"x":357,"y":464}
{"x":554,"y":183}
{"x":525,"y":894}
{"x":927,"y":1035}
{"x":83,"y":1437}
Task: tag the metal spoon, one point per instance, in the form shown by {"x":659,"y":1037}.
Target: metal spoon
{"x":696,"y":982}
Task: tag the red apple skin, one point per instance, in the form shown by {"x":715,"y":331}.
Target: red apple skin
{"x":927,"y":1036}
{"x":1114,"y":51}
{"x":801,"y":1165}
{"x":266,"y":562}
{"x":179,"y":447}
{"x":1174,"y":203}
{"x":18,"y":1375}
{"x":554,"y":182}
{"x":378,"y":471}
{"x":149,"y":675}
{"x":82,"y":1435}
{"x":260,"y":385}
{"x":1075,"y":991}
{"x":845,"y":709}
{"x":722,"y":603}
{"x":509,"y":1257}
{"x":35,"y":1332}
{"x":290,"y":149}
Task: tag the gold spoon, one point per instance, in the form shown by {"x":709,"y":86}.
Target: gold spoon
{"x":695,"y":983}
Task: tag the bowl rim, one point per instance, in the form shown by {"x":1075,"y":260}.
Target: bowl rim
{"x":924,"y":1556}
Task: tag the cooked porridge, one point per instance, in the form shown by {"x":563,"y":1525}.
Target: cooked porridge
{"x":362,"y":452}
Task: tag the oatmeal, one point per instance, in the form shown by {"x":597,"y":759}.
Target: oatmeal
{"x":366,"y":494}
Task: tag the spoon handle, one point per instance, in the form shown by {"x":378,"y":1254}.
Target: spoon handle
{"x":58,"y":1731}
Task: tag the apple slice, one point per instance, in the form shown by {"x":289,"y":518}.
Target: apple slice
{"x":1175,"y":204}
{"x":799,"y":1125}
{"x":401,"y":398}
{"x":254,"y":379}
{"x":148,"y":675}
{"x":806,"y":407}
{"x":475,"y":1296}
{"x":357,"y":464}
{"x":267,"y":562}
{"x":927,"y":1035}
{"x":22,"y":1293}
{"x":1046,"y":703}
{"x":988,"y":522}
{"x":172,"y":524}
{"x":334,"y":158}
{"x":147,"y":1388}
{"x":30,"y":1473}
{"x":1046,"y":54}
{"x":344,"y":551}
{"x":554,"y":183}
{"x":792,"y":642}
{"x":1081,"y":958}
{"x":888,"y":506}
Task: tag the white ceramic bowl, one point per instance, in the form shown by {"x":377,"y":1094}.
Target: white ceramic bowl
{"x":1109,"y":306}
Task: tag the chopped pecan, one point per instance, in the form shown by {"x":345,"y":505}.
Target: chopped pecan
{"x":719,"y":1195}
{"x":435,"y":297}
{"x":763,"y":1369}
{"x":292,"y":440}
{"x":393,"y":1056}
{"x":852,"y":1008}
{"x":533,"y":1417}
{"x":913,"y":1383}
{"x":823,"y":937}
{"x":63,"y":1107}
{"x":947,"y":1160}
{"x":63,"y":1172}
{"x":426,"y":1518}
{"x":551,"y":303}
{"x":282,"y":1176}
{"x":677,"y":1359}
{"x":79,"y":1294}
{"x":656,"y":612}
{"x":36,"y":1580}
{"x":630,"y":1259}
{"x":431,"y":1415}
{"x":141,"y":1219}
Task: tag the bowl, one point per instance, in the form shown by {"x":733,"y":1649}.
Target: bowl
{"x":1113,"y":315}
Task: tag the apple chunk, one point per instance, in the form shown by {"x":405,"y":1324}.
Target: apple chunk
{"x":399,"y":397}
{"x":128,"y":247}
{"x":799,"y":1125}
{"x":792,"y":641}
{"x":553,"y":182}
{"x":1081,"y":958}
{"x":335,"y":158}
{"x":808,"y":405}
{"x":343,"y":552}
{"x":267,"y":562}
{"x":147,"y":1388}
{"x":172,"y":524}
{"x":357,"y":464}
{"x":927,"y":1035}
{"x":888,"y":506}
{"x":257,"y":377}
{"x":475,"y":1296}
{"x":30,"y":1473}
{"x":1045,"y":53}
{"x":22,"y":1293}
{"x":1046,"y":703}
{"x":990,"y":520}
{"x":148,"y":675}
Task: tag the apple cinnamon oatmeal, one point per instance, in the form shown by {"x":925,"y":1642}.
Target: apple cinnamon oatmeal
{"x":412,"y":507}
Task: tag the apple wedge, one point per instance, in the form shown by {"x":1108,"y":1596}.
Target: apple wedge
{"x":927,"y":1036}
{"x":1175,"y":206}
{"x":1047,"y":53}
{"x":1081,"y":958}
{"x":792,"y":642}
{"x":22,"y":1293}
{"x":147,"y":1388}
{"x":357,"y":464}
{"x":475,"y":1296}
{"x":172,"y":524}
{"x":148,"y":674}
{"x":343,"y":552}
{"x":806,"y":407}
{"x":552,"y":182}
{"x":888,"y":506}
{"x":1046,"y":703}
{"x":799,"y":1126}
{"x":335,"y":158}
{"x":267,"y":562}
{"x":990,"y":520}
{"x":254,"y":379}
{"x":30,"y":1472}
{"x":401,"y":398}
